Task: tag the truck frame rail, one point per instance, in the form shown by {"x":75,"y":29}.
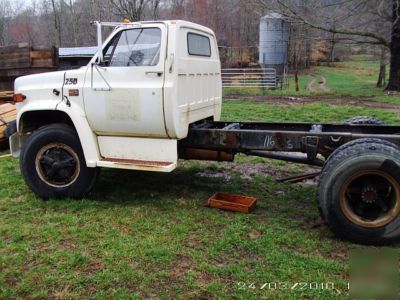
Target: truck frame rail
{"x":259,"y":138}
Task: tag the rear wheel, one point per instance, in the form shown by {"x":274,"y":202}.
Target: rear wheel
{"x":53,"y":165}
{"x":359,"y":192}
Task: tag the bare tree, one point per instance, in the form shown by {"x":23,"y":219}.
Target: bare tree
{"x":57,"y":23}
{"x":74,"y":17}
{"x":356,"y":17}
{"x":132,"y":9}
{"x":155,"y":4}
{"x":4,"y":18}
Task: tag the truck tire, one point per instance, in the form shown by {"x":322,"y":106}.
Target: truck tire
{"x":364,"y":120}
{"x":359,"y":192}
{"x":11,"y":129}
{"x":53,"y":165}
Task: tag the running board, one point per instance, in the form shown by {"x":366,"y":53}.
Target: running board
{"x":140,"y":165}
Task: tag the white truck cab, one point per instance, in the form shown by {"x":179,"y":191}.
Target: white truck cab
{"x":127,"y":108}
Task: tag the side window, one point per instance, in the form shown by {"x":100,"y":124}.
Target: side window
{"x":135,"y":47}
{"x":198,"y":44}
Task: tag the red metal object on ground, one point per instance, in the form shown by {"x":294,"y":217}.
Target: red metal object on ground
{"x":232,"y":202}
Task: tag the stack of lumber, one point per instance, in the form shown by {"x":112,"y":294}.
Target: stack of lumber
{"x":8,"y":115}
{"x":24,"y":56}
{"x":6,"y":96}
{"x":21,"y":59}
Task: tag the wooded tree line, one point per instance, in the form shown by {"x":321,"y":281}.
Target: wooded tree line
{"x":349,"y":23}
{"x":66,"y":23}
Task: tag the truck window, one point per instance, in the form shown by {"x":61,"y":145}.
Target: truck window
{"x":134,"y":48}
{"x":198,"y":44}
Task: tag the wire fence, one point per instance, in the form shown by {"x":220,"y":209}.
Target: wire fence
{"x":264,"y":78}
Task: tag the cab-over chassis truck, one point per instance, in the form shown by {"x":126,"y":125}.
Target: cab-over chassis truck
{"x":153,"y":93}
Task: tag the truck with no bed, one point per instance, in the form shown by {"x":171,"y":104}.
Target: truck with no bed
{"x":152,"y":94}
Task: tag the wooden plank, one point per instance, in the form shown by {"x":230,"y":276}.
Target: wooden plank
{"x":6,"y":108}
{"x":11,"y":49}
{"x":8,"y":114}
{"x":9,"y":117}
{"x":14,"y":55}
{"x":7,"y":96}
{"x":42,"y":63}
{"x":44,"y":54}
{"x":22,"y":62}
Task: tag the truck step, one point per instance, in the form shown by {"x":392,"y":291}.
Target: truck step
{"x":141,"y":165}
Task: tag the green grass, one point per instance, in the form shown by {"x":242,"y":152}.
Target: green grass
{"x":316,"y":112}
{"x":147,"y":235}
{"x":345,"y":79}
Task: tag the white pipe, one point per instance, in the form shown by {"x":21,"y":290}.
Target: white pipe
{"x":99,"y":42}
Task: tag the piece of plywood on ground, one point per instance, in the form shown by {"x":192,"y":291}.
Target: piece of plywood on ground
{"x":8,"y":114}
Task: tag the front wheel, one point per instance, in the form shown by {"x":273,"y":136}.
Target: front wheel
{"x":53,"y":165}
{"x":359,"y":192}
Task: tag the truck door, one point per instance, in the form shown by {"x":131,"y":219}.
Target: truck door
{"x":123,"y":96}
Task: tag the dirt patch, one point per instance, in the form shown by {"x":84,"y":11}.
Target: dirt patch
{"x":341,"y":254}
{"x":180,"y":267}
{"x":247,"y":171}
{"x":67,"y":245}
{"x":320,"y":86}
{"x":288,"y":100}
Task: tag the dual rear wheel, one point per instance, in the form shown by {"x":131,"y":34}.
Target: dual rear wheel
{"x":359,"y":192}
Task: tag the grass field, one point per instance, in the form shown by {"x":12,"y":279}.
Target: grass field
{"x":146,"y":235}
{"x":346,"y":79}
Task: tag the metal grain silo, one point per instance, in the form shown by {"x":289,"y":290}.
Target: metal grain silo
{"x":274,"y":39}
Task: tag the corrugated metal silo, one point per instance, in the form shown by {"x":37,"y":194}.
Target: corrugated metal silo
{"x":274,"y":39}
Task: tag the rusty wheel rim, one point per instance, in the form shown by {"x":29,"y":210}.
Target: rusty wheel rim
{"x":57,"y":165}
{"x":370,"y":198}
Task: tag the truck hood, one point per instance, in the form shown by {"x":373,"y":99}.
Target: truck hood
{"x":40,"y":86}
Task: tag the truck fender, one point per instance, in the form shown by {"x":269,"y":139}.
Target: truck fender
{"x":77,"y":117}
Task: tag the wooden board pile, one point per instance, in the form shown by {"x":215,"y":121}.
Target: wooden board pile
{"x":21,"y":59}
{"x":8,"y":115}
{"x":24,"y":56}
{"x":6,"y":96}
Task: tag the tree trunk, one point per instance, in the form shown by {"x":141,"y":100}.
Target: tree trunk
{"x":57,"y":23}
{"x":308,"y":47}
{"x":155,"y":6}
{"x":382,"y":70}
{"x":332,"y":54}
{"x":382,"y":77}
{"x":394,"y":78}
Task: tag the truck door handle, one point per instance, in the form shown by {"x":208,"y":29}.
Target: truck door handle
{"x":159,"y":74}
